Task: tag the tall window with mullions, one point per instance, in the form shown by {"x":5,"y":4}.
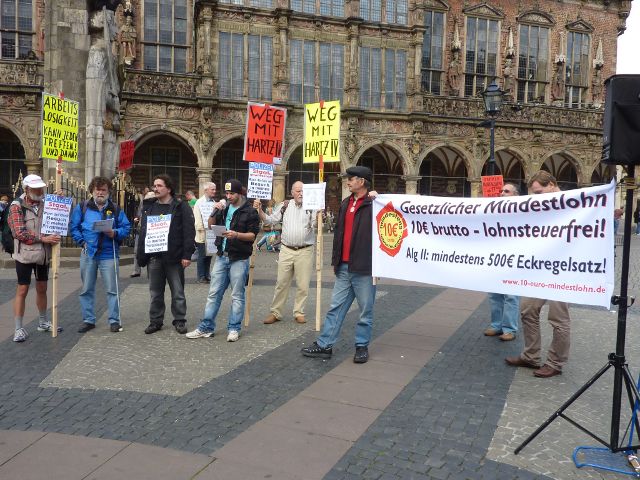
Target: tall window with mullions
{"x":16,"y":28}
{"x":260,"y":61}
{"x":577,"y":69}
{"x":481,"y":54}
{"x":165,"y":35}
{"x":432,"y":48}
{"x":533,"y":60}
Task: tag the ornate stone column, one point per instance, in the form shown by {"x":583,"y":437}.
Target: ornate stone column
{"x":411,"y":184}
{"x":476,"y":187}
{"x":345,"y":189}
{"x":279,"y":185}
{"x":204,"y":175}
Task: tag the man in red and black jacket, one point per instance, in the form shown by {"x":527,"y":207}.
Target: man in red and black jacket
{"x":351,"y":260}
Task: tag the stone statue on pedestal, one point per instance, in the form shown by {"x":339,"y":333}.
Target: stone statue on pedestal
{"x":102,"y":95}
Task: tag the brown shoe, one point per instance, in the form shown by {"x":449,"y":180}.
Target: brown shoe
{"x":519,"y":362}
{"x":270,"y":319}
{"x":300,"y":319}
{"x":490,"y":332}
{"x":546,"y":371}
{"x":507,"y":337}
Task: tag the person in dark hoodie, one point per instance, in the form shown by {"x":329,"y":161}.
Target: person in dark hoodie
{"x":351,"y":260}
{"x":166,"y":254}
{"x":232,"y":263}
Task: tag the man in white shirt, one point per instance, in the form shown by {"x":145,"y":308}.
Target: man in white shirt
{"x":296,"y":253}
{"x":201,"y":211}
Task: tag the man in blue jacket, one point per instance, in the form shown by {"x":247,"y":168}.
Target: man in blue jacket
{"x":100,"y":250}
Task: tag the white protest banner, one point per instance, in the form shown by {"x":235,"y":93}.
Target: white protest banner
{"x":260,"y":180}
{"x":157,"y":239}
{"x":55,"y":217}
{"x":313,"y":196}
{"x":557,"y":246}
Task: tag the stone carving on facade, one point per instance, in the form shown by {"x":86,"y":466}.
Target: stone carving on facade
{"x":23,"y":73}
{"x":128,"y":36}
{"x":161,"y":84}
{"x":508,"y":74}
{"x":149,"y":110}
{"x":18,"y":102}
{"x":102,"y":96}
{"x":597,"y":82}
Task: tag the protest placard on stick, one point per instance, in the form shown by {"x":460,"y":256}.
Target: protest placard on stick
{"x":260,"y":181}
{"x":264,"y":134}
{"x":492,"y":185}
{"x":59,"y":128}
{"x":55,"y":216}
{"x":321,"y":132}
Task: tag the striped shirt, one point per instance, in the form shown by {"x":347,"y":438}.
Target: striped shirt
{"x":297,"y":225}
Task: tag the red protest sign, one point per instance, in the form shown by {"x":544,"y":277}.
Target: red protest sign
{"x":126,"y":154}
{"x":492,"y":185}
{"x":264,"y":137}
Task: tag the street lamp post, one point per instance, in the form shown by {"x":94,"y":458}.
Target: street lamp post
{"x":492,"y":97}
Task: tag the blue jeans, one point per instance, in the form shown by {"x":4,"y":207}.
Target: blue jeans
{"x":349,"y":286}
{"x":505,"y":312}
{"x":89,"y":273}
{"x":204,"y":262}
{"x":226,"y":273}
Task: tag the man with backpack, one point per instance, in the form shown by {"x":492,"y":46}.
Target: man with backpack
{"x":167,"y":241}
{"x":31,"y":252}
{"x":100,"y":244}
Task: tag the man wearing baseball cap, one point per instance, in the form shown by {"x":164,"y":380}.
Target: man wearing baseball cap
{"x":32,"y":252}
{"x":232,"y":262}
{"x":351,"y":260}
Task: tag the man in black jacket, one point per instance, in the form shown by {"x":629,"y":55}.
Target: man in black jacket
{"x":166,"y":253}
{"x":351,"y":260}
{"x":232,"y":263}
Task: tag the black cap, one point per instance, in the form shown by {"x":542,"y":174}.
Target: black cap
{"x":359,"y":171}
{"x":233,"y":186}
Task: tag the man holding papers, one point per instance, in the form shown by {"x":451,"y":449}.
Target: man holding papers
{"x":99,"y":226}
{"x":238,"y":225}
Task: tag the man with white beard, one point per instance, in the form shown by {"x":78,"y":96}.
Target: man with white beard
{"x":32,"y":252}
{"x":100,"y":250}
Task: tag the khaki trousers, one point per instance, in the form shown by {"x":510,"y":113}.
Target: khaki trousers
{"x":292,"y":263}
{"x":560,"y":322}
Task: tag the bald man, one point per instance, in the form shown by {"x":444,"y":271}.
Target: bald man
{"x":296,"y":253}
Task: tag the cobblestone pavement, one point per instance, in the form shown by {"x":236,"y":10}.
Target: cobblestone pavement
{"x":459,"y":418}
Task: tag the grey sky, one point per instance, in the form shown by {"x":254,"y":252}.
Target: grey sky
{"x":628,"y":57}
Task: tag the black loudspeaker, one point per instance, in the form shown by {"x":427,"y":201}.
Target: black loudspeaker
{"x":621,"y":128}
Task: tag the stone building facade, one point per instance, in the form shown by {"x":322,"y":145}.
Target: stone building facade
{"x":409,"y":74}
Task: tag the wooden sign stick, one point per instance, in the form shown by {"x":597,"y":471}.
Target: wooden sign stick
{"x":319,"y":252}
{"x":55,"y":260}
{"x":247,"y":297}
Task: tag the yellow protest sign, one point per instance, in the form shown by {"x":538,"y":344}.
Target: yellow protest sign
{"x":321,"y":132}
{"x":59,"y":128}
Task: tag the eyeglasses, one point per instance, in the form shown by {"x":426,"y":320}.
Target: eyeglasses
{"x":506,"y":190}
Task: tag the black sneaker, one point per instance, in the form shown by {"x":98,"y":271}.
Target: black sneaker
{"x":316,"y":351}
{"x":115,"y":327}
{"x":361,"y":355}
{"x":153,"y":328}
{"x":181,"y":327}
{"x":86,"y":327}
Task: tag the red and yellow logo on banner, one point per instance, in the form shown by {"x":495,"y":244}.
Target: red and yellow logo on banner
{"x":392,"y":229}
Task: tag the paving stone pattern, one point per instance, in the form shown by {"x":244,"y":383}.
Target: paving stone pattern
{"x":200,"y":421}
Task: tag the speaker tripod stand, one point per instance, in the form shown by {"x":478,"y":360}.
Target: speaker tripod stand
{"x":617,"y":360}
